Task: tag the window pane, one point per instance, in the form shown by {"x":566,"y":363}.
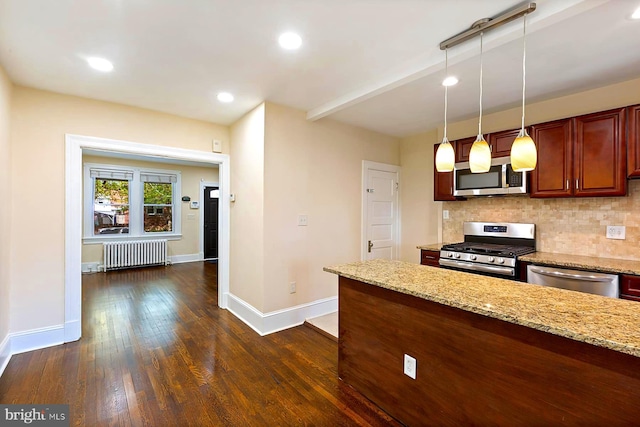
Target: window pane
{"x":157,"y":219}
{"x":156,"y":193}
{"x":111,"y":206}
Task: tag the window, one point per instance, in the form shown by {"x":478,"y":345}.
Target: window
{"x":130,"y":202}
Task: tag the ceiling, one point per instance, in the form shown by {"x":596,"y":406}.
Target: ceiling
{"x":371,"y":63}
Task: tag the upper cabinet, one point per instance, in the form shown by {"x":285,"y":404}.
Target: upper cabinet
{"x":584,"y":156}
{"x":601,"y":154}
{"x":501,"y":142}
{"x":463,"y":147}
{"x":442,"y":181}
{"x":633,"y":142}
{"x":554,"y":171}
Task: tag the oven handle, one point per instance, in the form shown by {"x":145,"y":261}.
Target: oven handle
{"x":477,"y":267}
{"x":587,"y":277}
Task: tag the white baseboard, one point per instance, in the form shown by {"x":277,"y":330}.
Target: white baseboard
{"x":179,"y":259}
{"x":36,"y":339}
{"x":72,"y":331}
{"x":5,"y":353}
{"x":268,"y":323}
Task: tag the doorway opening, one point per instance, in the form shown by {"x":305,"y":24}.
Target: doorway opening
{"x":210,"y":201}
{"x":74,"y":147}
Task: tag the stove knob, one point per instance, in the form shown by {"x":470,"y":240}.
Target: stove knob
{"x":450,"y":254}
{"x":491,"y":259}
{"x":501,"y":260}
{"x":457,"y":255}
{"x":473,"y":257}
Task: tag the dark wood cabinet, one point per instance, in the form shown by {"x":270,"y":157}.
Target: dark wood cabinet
{"x":582,"y":157}
{"x":601,"y":154}
{"x":630,"y":287}
{"x":633,"y":141}
{"x":442,"y":181}
{"x":463,"y":148}
{"x":428,"y":257}
{"x":554,"y":170}
{"x":501,"y":142}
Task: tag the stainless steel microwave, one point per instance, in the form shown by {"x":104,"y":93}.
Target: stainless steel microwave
{"x":500,"y":180}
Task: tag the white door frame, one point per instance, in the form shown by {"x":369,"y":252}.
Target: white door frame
{"x":366,"y":165}
{"x":74,"y":144}
{"x":204,"y":184}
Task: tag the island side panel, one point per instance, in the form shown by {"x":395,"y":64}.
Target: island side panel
{"x":473,"y":369}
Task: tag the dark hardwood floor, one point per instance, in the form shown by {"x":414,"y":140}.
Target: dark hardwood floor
{"x":156,"y":350}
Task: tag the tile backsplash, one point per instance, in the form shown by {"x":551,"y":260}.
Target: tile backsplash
{"x":569,"y":225}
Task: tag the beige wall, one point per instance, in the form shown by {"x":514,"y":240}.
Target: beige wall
{"x":313,"y":169}
{"x":247,"y":219}
{"x":571,"y":225}
{"x":420,"y":214}
{"x":5,"y":207}
{"x":190,"y":177}
{"x":39,"y":122}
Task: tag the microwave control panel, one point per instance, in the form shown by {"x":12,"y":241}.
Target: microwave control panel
{"x":514,"y":178}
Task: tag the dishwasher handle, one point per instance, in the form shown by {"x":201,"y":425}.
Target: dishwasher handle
{"x":587,"y":277}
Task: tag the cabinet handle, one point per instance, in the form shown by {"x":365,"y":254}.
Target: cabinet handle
{"x":576,"y":184}
{"x":568,"y":185}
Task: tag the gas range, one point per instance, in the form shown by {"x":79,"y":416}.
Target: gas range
{"x":490,"y":248}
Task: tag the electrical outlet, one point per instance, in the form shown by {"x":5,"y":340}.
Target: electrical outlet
{"x":292,"y":287}
{"x":410,"y":366}
{"x":616,"y":232}
{"x":303,"y":220}
{"x":445,"y":214}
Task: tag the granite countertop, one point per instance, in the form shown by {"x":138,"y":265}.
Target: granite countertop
{"x":431,"y":247}
{"x":605,"y":322}
{"x":602,"y":265}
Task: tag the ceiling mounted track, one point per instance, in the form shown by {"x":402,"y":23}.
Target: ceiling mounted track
{"x":486,"y":24}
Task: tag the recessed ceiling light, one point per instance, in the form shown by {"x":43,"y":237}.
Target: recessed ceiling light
{"x":450,"y":81}
{"x":225,"y":97}
{"x":636,"y":14}
{"x":290,"y":41}
{"x":100,"y":64}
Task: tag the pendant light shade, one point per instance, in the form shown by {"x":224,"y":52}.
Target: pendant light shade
{"x":523,"y":153}
{"x":445,"y":157}
{"x":480,"y":154}
{"x":524,"y":156}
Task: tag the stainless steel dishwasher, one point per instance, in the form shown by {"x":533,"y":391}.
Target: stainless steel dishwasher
{"x":575,"y":280}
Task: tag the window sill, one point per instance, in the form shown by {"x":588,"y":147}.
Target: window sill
{"x":95,"y":240}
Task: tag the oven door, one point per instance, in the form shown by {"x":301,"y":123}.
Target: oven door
{"x":474,"y":267}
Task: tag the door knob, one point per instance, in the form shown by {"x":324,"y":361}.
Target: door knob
{"x":370,"y":245}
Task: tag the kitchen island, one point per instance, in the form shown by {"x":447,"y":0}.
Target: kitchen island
{"x":488,"y":350}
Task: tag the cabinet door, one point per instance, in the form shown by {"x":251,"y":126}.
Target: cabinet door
{"x":442,"y":181}
{"x":431,"y":258}
{"x":600,"y":159}
{"x":501,"y":142}
{"x":630,"y":287}
{"x":463,"y":147}
{"x":633,"y":142}
{"x":553,"y":174}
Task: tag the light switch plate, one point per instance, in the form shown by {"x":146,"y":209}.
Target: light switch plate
{"x":217,"y":146}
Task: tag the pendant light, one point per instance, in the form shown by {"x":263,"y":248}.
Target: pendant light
{"x":523,"y":150}
{"x":445,"y":157}
{"x":480,"y":154}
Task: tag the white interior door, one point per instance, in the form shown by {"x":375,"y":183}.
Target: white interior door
{"x":381,"y":221}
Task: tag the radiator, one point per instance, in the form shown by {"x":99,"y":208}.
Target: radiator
{"x":135,"y":253}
